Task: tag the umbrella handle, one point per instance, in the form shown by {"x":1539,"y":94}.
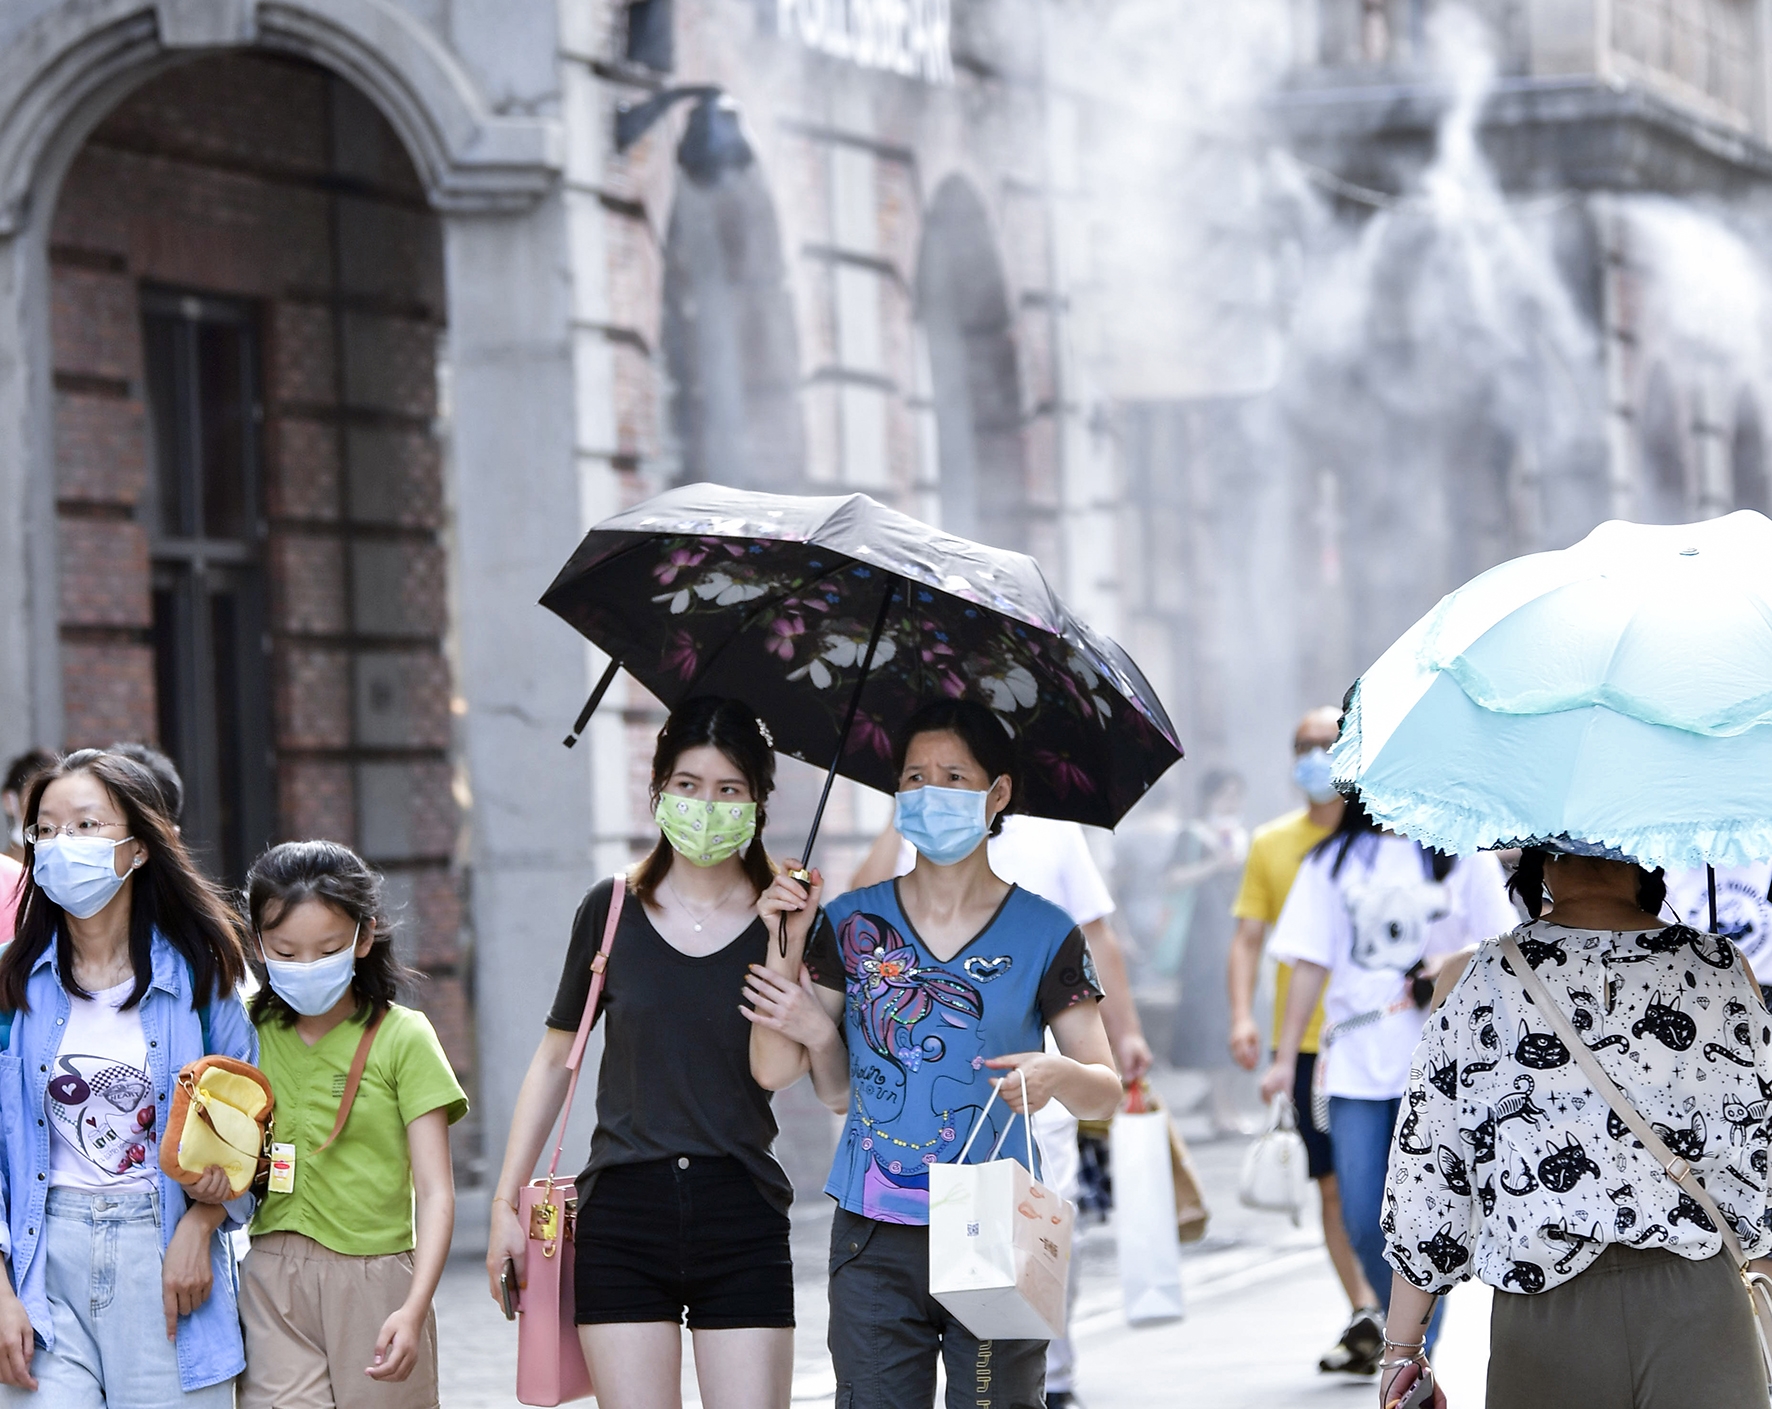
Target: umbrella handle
{"x":804,"y":874}
{"x":584,"y":715}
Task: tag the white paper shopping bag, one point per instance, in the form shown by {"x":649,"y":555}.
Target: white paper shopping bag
{"x":999,"y":1245}
{"x":1144,"y":1216}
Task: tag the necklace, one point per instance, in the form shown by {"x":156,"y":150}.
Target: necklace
{"x":707,"y":914}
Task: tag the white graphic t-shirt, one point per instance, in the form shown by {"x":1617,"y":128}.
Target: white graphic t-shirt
{"x":1744,"y":908}
{"x":1369,"y":922}
{"x":100,"y":1101}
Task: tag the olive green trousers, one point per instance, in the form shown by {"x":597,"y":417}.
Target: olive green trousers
{"x":1637,"y":1330}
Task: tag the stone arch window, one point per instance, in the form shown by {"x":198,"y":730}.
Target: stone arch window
{"x":975,"y":381}
{"x":247,"y":299}
{"x":1662,"y":486}
{"x":1747,"y":457}
{"x":729,"y":338}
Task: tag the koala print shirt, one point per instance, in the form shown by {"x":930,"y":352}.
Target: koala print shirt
{"x":1506,"y":1163}
{"x":1368,"y":924}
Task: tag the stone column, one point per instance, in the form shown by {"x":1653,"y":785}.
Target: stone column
{"x":522,"y":671}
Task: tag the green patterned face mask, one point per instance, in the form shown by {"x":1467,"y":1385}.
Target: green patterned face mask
{"x":706,"y":833}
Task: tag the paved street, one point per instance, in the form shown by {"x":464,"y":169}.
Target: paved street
{"x":1262,"y":1304}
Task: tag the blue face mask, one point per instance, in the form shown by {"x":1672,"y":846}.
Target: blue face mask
{"x":79,"y":873}
{"x":1315,"y":773}
{"x":315,"y":987}
{"x":944,"y":824}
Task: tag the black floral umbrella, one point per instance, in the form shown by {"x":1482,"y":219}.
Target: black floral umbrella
{"x":834,"y":618}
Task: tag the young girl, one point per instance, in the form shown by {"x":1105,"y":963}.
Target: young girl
{"x":336,"y":1293}
{"x":682,"y":1206}
{"x":119,"y":1286}
{"x":950,"y":972}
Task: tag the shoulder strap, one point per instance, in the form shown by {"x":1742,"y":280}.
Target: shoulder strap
{"x":599,"y":965}
{"x":354,"y":1080}
{"x":1676,"y":1168}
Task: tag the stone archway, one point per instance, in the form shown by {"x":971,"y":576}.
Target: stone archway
{"x":963,"y":306}
{"x":729,"y":337}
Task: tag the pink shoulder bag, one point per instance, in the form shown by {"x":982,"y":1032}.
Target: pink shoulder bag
{"x":551,"y":1365}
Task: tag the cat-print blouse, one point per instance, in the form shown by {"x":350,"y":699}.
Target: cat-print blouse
{"x":1506,"y":1164}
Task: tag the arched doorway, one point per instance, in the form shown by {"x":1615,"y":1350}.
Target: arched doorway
{"x":729,"y":338}
{"x":247,"y":299}
{"x":963,"y":305}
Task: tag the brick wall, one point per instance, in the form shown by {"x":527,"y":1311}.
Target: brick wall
{"x":270,"y":181}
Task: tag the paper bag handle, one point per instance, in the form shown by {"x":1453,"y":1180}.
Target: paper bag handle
{"x":978,"y":1124}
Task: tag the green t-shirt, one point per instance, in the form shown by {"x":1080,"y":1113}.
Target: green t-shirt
{"x":355,"y":1196}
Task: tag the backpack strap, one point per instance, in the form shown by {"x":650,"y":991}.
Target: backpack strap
{"x":354,"y":1080}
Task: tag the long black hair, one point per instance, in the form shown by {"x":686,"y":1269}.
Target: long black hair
{"x":298,"y":871}
{"x":1527,"y":883}
{"x":732,"y":727}
{"x":1355,"y":823}
{"x":170,"y":895}
{"x":980,"y":730}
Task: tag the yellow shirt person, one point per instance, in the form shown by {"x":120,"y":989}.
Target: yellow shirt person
{"x":1275,"y":853}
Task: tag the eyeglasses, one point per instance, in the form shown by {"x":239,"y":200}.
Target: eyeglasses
{"x":39,"y":832}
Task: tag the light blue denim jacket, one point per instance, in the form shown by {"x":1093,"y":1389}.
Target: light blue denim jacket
{"x":209,"y":1345}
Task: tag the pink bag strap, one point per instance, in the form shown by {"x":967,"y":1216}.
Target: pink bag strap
{"x":599,"y":965}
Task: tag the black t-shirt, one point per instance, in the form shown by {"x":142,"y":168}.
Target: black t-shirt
{"x":676,"y":1072}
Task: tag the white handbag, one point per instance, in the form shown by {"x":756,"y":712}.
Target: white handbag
{"x":1276,"y":1170}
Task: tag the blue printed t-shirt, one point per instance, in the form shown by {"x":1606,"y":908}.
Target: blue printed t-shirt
{"x":920,"y":1030}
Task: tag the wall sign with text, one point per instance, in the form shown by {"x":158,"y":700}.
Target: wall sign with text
{"x":908,"y":37}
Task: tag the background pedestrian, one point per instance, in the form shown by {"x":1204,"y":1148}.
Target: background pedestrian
{"x":951,"y":973}
{"x":1276,"y":851}
{"x":1202,"y":880}
{"x":682,"y":1206}
{"x":351,"y":1238}
{"x":19,"y":773}
{"x":125,"y":968}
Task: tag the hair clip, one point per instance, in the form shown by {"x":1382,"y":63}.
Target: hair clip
{"x":763,"y":729}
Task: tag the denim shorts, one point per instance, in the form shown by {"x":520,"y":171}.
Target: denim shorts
{"x":103,"y":1281}
{"x":665,"y":1237}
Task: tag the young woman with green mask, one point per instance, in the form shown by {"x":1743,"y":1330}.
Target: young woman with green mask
{"x":682,"y":1208}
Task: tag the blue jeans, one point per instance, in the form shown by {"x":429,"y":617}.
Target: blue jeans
{"x":103,"y":1281}
{"x":1361,"y":1134}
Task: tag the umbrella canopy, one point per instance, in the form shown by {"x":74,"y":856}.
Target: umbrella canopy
{"x":774,"y":599}
{"x":1618,"y":692}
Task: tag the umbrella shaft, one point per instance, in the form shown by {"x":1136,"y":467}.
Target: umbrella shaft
{"x":867,"y":664}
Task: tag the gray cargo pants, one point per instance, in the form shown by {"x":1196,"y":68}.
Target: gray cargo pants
{"x":886,"y":1330}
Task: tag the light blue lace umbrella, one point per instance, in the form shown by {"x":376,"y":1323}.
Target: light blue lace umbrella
{"x":1618,"y":692}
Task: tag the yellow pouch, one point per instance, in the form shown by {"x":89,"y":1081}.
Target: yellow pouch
{"x":220,"y":1116}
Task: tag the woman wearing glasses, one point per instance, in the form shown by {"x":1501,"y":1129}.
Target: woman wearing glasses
{"x":682,"y":1207}
{"x":125,"y":968}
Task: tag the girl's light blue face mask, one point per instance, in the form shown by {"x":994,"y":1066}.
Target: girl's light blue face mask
{"x":1315,"y":773}
{"x":315,"y":987}
{"x":944,"y":824}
